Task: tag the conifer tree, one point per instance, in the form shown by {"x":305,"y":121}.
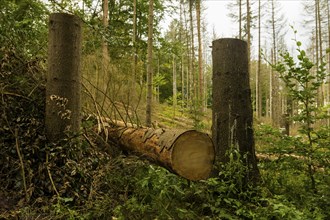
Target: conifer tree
{"x":149,"y":64}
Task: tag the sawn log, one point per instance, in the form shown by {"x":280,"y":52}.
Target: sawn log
{"x":188,"y":153}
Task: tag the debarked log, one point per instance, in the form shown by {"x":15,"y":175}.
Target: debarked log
{"x":188,"y":153}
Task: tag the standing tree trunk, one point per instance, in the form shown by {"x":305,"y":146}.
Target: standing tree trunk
{"x":319,"y":20}
{"x":188,"y":57}
{"x":105,"y":25}
{"x":134,"y":63}
{"x":275,"y":109}
{"x":258,"y":87}
{"x":105,"y":52}
{"x":248,"y":30}
{"x":200,"y":53}
{"x":175,"y":101}
{"x":158,"y":74}
{"x":271,"y":73}
{"x":328,"y":16}
{"x":240,"y":19}
{"x":316,"y":34}
{"x":149,"y":63}
{"x":183,"y":88}
{"x":232,"y":115}
{"x":102,"y":83}
{"x":192,"y":60}
{"x":63,"y":78}
{"x":316,"y":41}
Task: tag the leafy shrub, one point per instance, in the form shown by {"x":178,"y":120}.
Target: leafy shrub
{"x":34,"y":171}
{"x":303,"y":85}
{"x":284,"y":174}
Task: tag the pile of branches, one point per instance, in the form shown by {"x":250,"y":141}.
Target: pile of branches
{"x":32,"y":170}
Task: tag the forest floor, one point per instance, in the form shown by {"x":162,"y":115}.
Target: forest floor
{"x":109,"y":184}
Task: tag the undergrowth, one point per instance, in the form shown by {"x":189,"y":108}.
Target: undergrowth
{"x":77,"y":178}
{"x":284,"y":173}
{"x":33,"y":171}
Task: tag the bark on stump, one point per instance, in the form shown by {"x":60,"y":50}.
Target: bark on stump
{"x":232,"y":114}
{"x":63,"y":77}
{"x":188,"y":153}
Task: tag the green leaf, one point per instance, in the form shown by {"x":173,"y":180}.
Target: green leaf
{"x":303,"y":53}
{"x":65,"y":200}
{"x":298,"y":43}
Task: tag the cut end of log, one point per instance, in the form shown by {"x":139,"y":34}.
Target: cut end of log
{"x":193,"y":155}
{"x":188,"y":153}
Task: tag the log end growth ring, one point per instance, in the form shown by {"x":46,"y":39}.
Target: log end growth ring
{"x":193,"y":155}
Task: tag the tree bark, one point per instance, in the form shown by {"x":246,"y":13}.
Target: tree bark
{"x":248,"y":30}
{"x":105,"y":52}
{"x":63,"y":78}
{"x":149,"y":63}
{"x":316,"y":34}
{"x":192,"y":77}
{"x":317,"y":44}
{"x":131,"y":93}
{"x":258,"y":75}
{"x":328,"y":18}
{"x":232,"y":115}
{"x":188,"y":58}
{"x":105,"y":25}
{"x":271,"y":73}
{"x":188,"y":153}
{"x":174,"y":88}
{"x":200,"y":54}
{"x":319,"y":20}
{"x":240,"y":20}
{"x":182,"y":66}
{"x":276,"y":104}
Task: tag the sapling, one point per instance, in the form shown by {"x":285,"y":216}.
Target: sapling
{"x":303,"y":79}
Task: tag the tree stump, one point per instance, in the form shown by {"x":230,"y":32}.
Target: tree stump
{"x":232,"y":114}
{"x":63,"y":77}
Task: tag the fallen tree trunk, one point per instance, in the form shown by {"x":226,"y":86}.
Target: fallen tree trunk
{"x":188,"y":153}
